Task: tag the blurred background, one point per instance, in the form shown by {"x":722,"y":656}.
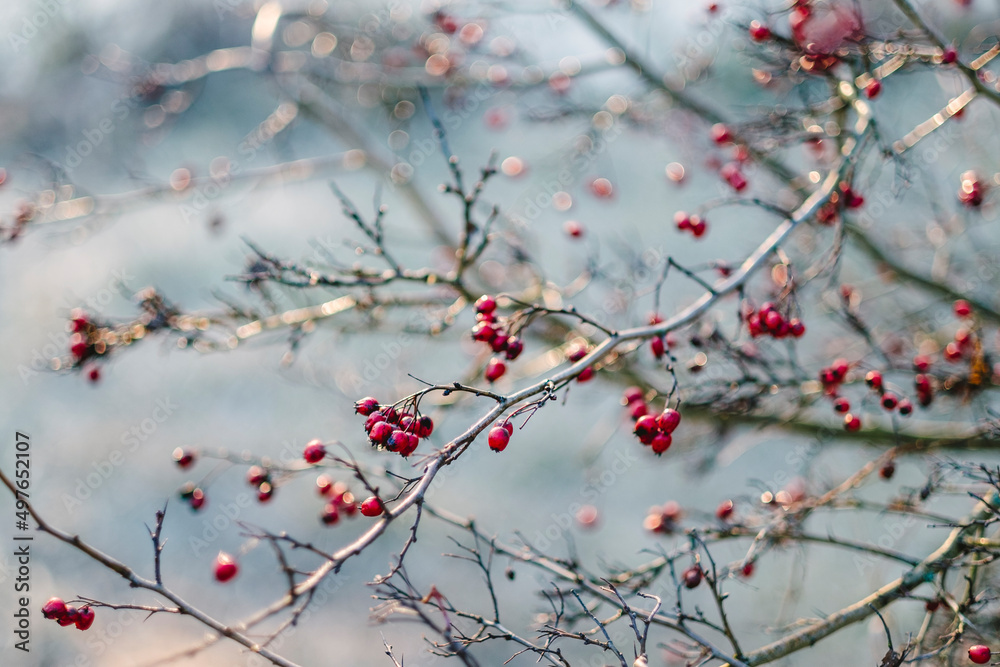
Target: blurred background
{"x":82,"y":115}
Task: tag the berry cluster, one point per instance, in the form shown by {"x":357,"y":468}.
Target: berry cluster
{"x":66,"y":614}
{"x":574,"y":354}
{"x":340,"y":500}
{"x":769,"y":320}
{"x":493,"y":331}
{"x":847,"y":198}
{"x":831,"y":378}
{"x":84,"y":342}
{"x":888,"y":399}
{"x":395,"y":431}
{"x":657,"y":431}
{"x":690,"y":223}
{"x":260,"y":479}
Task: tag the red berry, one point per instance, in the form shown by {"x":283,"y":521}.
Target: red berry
{"x":748,"y":569}
{"x":840,"y":368}
{"x":773,"y":320}
{"x":78,"y":347}
{"x":661,"y":442}
{"x":922,"y":383}
{"x":425,"y":426}
{"x":94,"y":374}
{"x":509,"y":427}
{"x":484,"y":332}
{"x":499,"y":342}
{"x":197,"y":499}
{"x":366,"y":406}
{"x":874,"y":380}
{"x":646,"y":428}
{"x":668,"y":420}
{"x":576,"y":353}
{"x":638,"y":409}
{"x":324,"y":485}
{"x":962,"y":308}
{"x":373,"y":418}
{"x":264,"y":492}
{"x":841,"y":404}
{"x":225,"y":567}
{"x":921,"y":362}
{"x":486,"y":304}
{"x":759,"y":32}
{"x":69,"y":616}
{"x":963,"y":337}
{"x":314,"y":452}
{"x":498,"y":438}
{"x":796,"y":327}
{"x":586,"y":374}
{"x":330,"y":514}
{"x":495,"y":370}
{"x":658,"y":347}
{"x":54,"y":609}
{"x":949,"y":55}
{"x":732,"y":175}
{"x":381,"y":432}
{"x":932,"y":605}
{"x":725,"y":509}
{"x":398,"y":441}
{"x":184,"y":457}
{"x":889,"y":400}
{"x":887,"y":470}
{"x":683,"y":222}
{"x":905,"y":407}
{"x":79,"y":322}
{"x":84,"y":618}
{"x":514,"y":348}
{"x":873,"y":88}
{"x":256,"y":476}
{"x":371,"y":507}
{"x":698,"y":226}
{"x":953,"y":351}
{"x":633,"y":394}
{"x":573,"y":228}
{"x":692,"y":576}
{"x":852,"y":422}
{"x":721,"y":134}
{"x":980,"y":654}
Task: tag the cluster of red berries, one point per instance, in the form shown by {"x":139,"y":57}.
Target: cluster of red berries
{"x":690,"y":223}
{"x":260,"y":479}
{"x":663,"y":519}
{"x":499,"y":436}
{"x":82,"y":342}
{"x":395,"y":431}
{"x":657,"y":432}
{"x":980,"y":654}
{"x":492,"y":331}
{"x":888,"y":399}
{"x":972,"y":190}
{"x":964,"y":342}
{"x":66,"y":614}
{"x":574,"y":354}
{"x":340,"y":500}
{"x":769,"y":320}
{"x":831,"y":378}
{"x":225,"y":567}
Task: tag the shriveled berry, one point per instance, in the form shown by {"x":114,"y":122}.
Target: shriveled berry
{"x":425,"y":426}
{"x":498,"y":438}
{"x":887,"y":470}
{"x":366,"y":406}
{"x":225,"y":567}
{"x":314,"y":452}
{"x":371,"y":507}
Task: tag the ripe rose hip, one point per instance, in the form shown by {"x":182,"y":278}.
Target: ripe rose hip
{"x":84,"y":618}
{"x":225,"y":567}
{"x":514,"y":348}
{"x":314,"y":452}
{"x":646,"y":428}
{"x":371,"y":507}
{"x":874,"y":379}
{"x":184,"y":457}
{"x":962,"y":308}
{"x":661,"y":442}
{"x":366,"y":406}
{"x":55,"y":608}
{"x":692,"y":576}
{"x":486,"y":304}
{"x":498,"y":438}
{"x":980,"y":654}
{"x":852,"y":422}
{"x":495,"y":370}
{"x":725,"y":509}
{"x":668,"y":420}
